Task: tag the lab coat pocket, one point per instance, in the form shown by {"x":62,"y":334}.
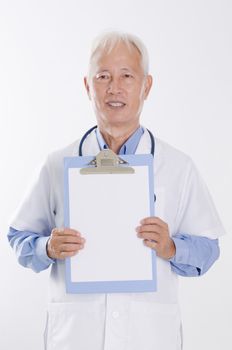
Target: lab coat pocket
{"x":71,"y":324}
{"x":154,"y":326}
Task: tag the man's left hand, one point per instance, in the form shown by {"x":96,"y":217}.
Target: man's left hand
{"x":155,"y":234}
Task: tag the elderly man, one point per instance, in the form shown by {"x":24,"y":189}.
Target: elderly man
{"x":184,"y":232}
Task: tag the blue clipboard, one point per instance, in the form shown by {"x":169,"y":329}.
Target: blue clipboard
{"x":113,"y":261}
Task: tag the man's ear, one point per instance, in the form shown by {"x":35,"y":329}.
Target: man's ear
{"x":87,"y":87}
{"x":148,"y":85}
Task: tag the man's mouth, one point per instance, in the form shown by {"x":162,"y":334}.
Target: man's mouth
{"x":115,"y":104}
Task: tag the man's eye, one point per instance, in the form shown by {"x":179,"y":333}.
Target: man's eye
{"x":103,"y":77}
{"x":127,"y":75}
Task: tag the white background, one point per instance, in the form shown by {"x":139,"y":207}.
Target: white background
{"x":43,"y":106}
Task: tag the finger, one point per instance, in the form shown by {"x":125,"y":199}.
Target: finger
{"x":64,"y":255}
{"x":150,"y":244}
{"x":71,"y":232}
{"x":70,"y":247}
{"x":71,"y":239}
{"x":149,"y":228}
{"x":66,"y":231}
{"x":150,"y":236}
{"x":153,"y":220}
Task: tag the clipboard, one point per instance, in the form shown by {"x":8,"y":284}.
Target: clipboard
{"x":105,"y":197}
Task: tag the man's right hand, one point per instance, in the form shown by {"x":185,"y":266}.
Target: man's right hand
{"x":64,"y":242}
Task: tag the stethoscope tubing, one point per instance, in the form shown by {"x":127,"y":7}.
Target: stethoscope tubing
{"x":94,"y":127}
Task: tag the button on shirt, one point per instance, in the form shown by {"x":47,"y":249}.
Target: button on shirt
{"x":194,"y":254}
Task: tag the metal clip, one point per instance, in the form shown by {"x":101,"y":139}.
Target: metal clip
{"x":107,"y":162}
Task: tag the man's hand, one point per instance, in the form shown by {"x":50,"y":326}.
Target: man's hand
{"x":64,"y":242}
{"x":155,"y":234}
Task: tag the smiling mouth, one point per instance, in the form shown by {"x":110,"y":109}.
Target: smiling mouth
{"x":115,"y":104}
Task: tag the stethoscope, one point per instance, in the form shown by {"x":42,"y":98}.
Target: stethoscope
{"x":94,"y":127}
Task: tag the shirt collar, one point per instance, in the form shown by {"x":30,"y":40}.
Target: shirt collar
{"x":129,"y":147}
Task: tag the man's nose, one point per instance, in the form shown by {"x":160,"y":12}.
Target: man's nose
{"x":114,"y":86}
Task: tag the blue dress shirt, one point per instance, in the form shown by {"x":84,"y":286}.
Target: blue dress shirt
{"x":194,"y":254}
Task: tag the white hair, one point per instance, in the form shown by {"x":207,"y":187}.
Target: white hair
{"x":107,"y":41}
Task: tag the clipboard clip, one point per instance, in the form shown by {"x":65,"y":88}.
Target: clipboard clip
{"x":107,"y":162}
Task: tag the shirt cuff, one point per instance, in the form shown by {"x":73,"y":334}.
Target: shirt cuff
{"x":41,"y":251}
{"x":182,"y":251}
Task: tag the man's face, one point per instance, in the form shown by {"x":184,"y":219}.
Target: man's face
{"x":118,"y":87}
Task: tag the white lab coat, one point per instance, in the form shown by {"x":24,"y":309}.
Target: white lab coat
{"x":124,"y":321}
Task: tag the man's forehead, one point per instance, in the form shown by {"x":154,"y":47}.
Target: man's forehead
{"x":119,"y":50}
{"x":121,"y":59}
{"x":115,"y":58}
